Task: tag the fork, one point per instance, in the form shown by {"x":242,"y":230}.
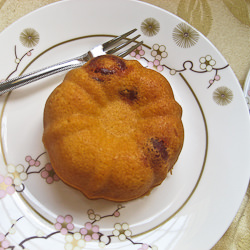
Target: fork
{"x":246,"y":90}
{"x":110,"y":47}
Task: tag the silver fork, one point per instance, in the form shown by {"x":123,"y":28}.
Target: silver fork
{"x":246,"y":90}
{"x":102,"y":49}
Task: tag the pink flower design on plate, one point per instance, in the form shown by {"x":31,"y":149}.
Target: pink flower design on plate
{"x":6,"y":186}
{"x":155,"y":64}
{"x":90,"y":232}
{"x":4,"y":244}
{"x":64,"y":224}
{"x":32,"y":162}
{"x":147,"y":247}
{"x":138,"y":53}
{"x":49,"y":174}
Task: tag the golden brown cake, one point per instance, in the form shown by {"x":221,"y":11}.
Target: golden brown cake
{"x":113,"y":129}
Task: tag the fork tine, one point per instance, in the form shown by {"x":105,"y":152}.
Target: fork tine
{"x":117,"y":39}
{"x":126,"y":52}
{"x":112,"y":51}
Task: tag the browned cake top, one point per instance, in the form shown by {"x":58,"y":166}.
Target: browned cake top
{"x":113,"y":129}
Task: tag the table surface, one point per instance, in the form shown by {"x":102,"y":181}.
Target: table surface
{"x":226,"y":23}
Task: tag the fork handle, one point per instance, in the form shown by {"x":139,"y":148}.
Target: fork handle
{"x":20,"y":81}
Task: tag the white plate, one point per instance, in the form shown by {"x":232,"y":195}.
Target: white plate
{"x":193,"y":207}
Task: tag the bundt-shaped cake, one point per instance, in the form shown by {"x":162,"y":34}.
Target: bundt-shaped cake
{"x":113,"y":129}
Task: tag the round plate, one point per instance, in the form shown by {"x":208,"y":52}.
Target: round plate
{"x":38,"y":211}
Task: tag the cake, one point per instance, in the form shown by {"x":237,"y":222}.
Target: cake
{"x":112,"y":129}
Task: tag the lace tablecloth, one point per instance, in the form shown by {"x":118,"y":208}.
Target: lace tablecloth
{"x":226,"y":23}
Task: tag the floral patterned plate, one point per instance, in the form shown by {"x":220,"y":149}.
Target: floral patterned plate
{"x":38,"y":211}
